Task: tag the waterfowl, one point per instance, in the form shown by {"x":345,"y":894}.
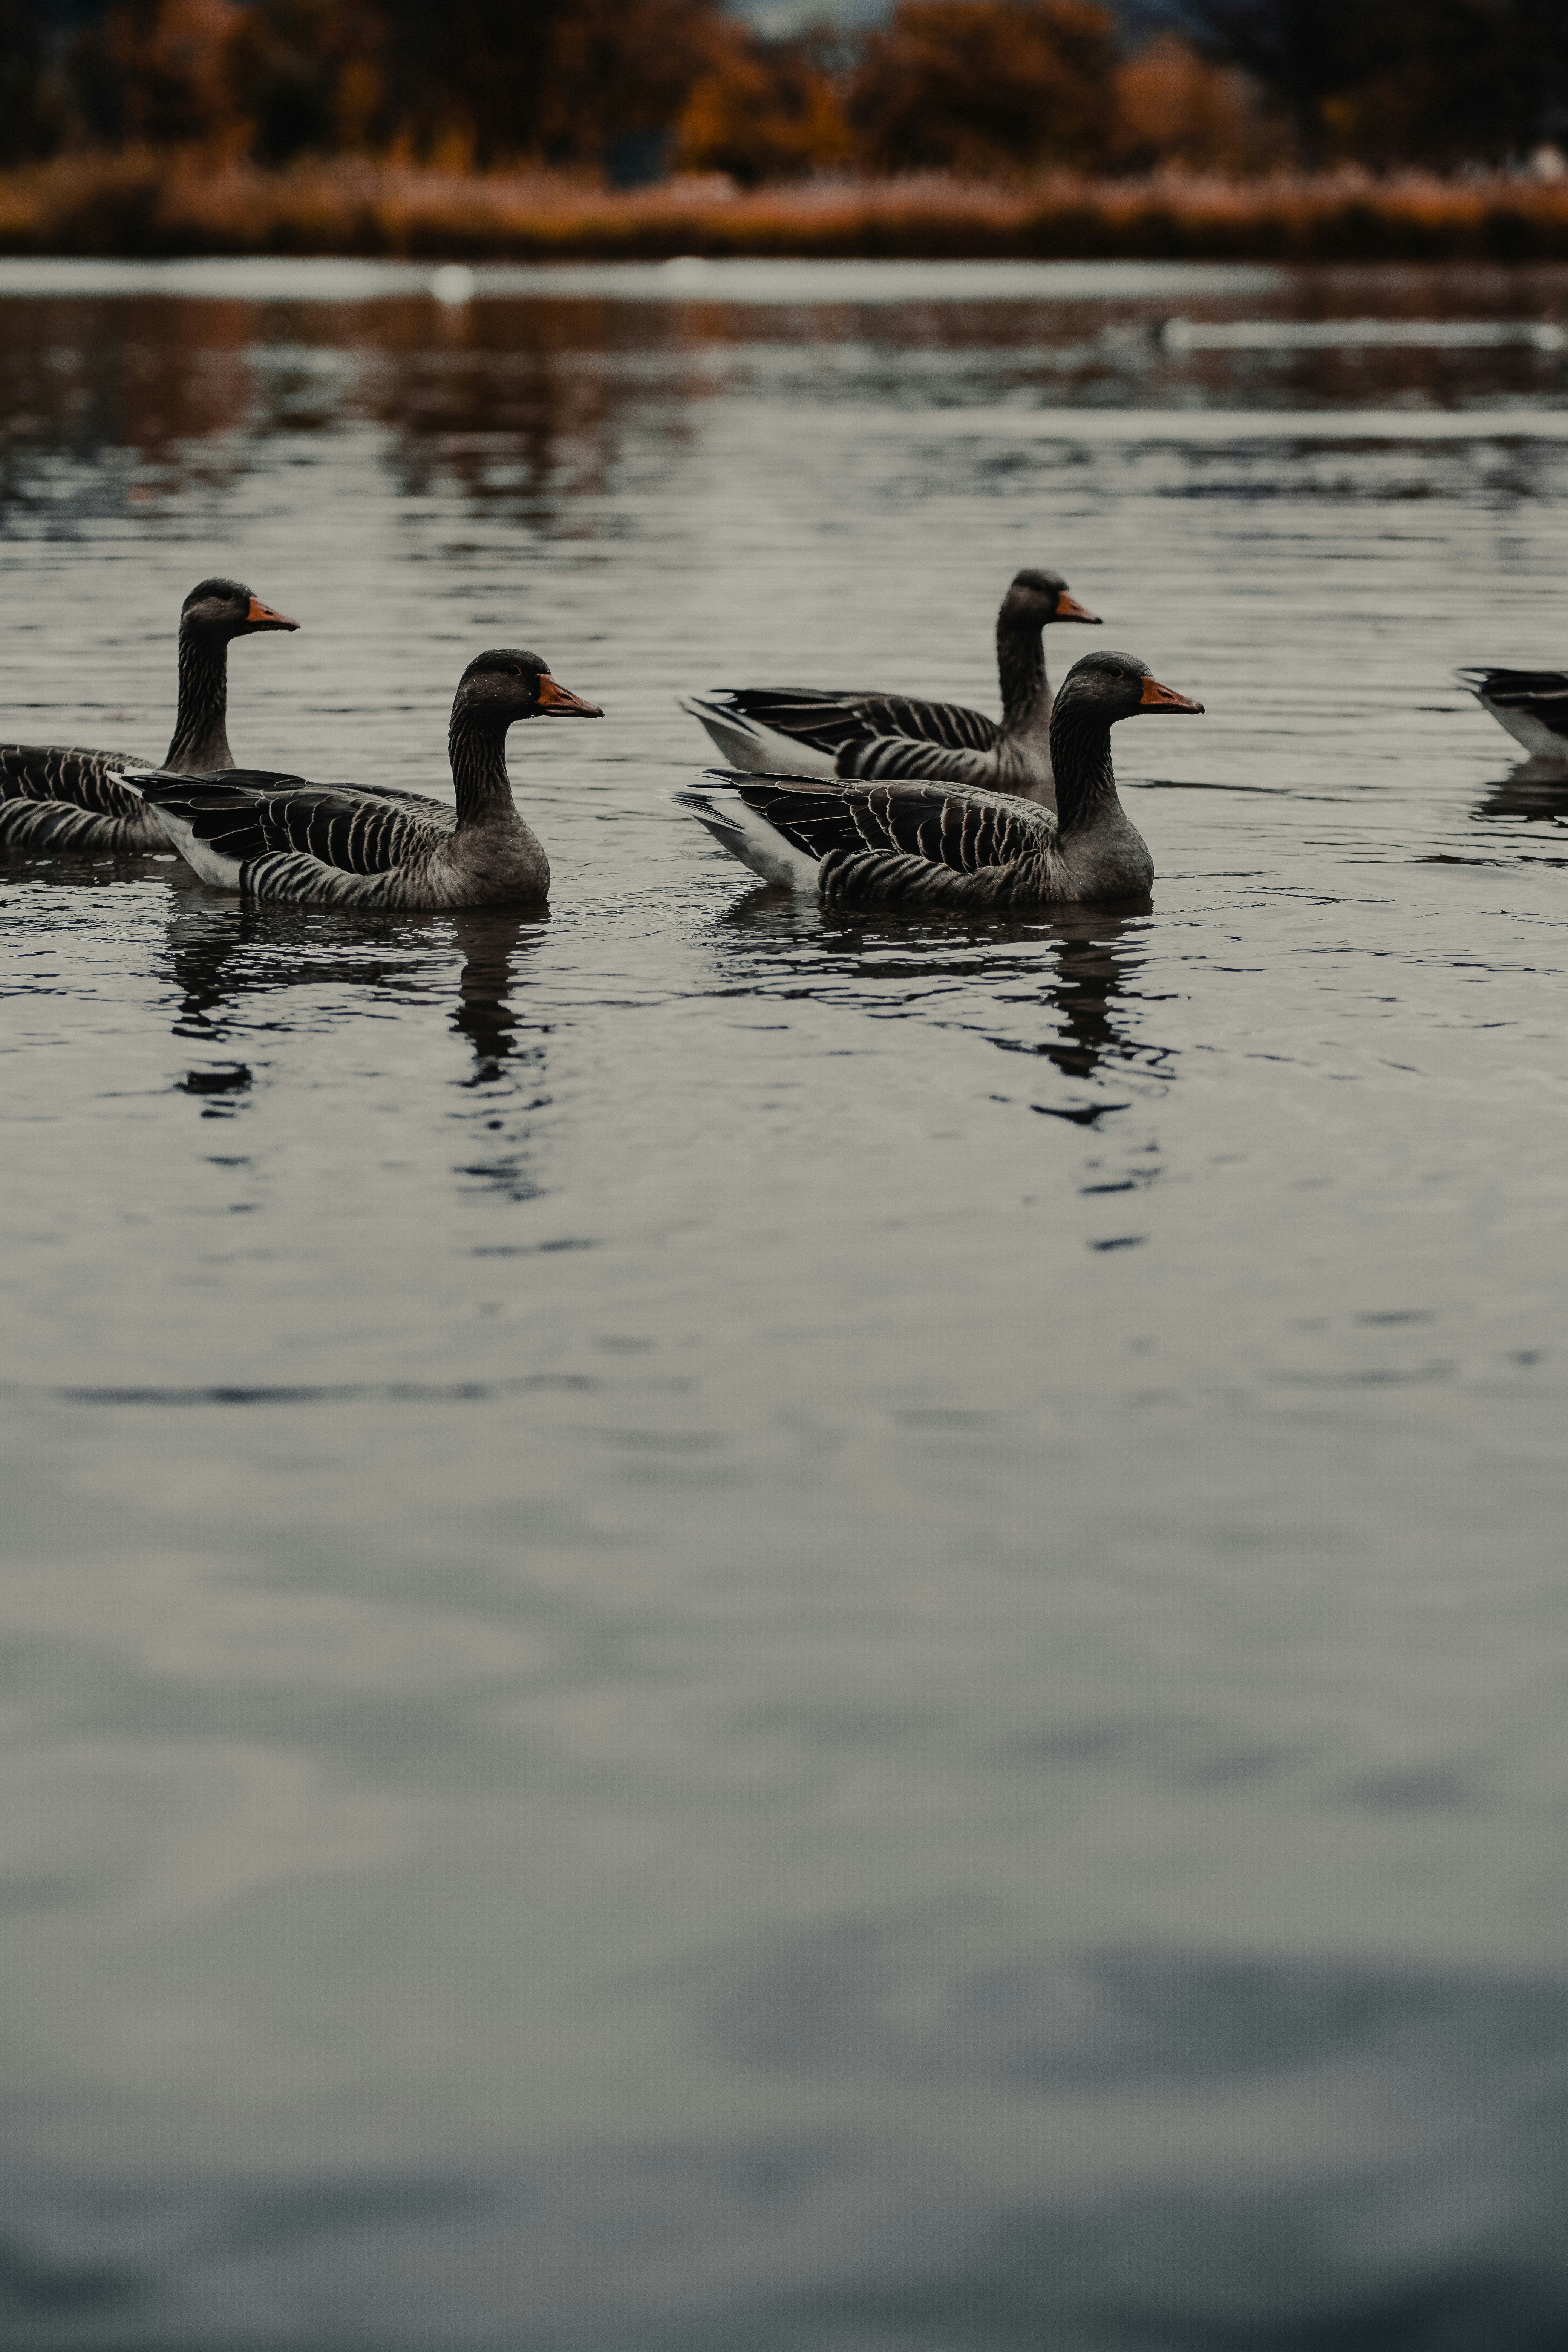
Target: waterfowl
{"x":278,"y":836}
{"x":919,"y":843}
{"x":1532,"y":704}
{"x":812,"y":732}
{"x":57,"y":795}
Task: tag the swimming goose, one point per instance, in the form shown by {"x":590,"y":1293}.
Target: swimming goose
{"x":922,"y":845}
{"x":275,"y":836}
{"x":1532,"y":704}
{"x":811,"y":731}
{"x":68,"y":799}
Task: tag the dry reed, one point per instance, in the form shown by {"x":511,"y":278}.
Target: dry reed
{"x":148,"y":203}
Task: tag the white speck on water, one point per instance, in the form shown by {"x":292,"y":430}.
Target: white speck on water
{"x":454,"y":283}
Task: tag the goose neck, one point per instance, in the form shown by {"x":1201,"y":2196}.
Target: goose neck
{"x":201,"y":721}
{"x":1020,"y":669}
{"x":477,"y":746}
{"x":1081,"y":761}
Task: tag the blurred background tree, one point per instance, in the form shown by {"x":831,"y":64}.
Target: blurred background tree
{"x":1436,"y":82}
{"x":1174,"y":106}
{"x":309,"y":76}
{"x":986,"y":86}
{"x":768,"y":109}
{"x":29,"y":124}
{"x":566,"y":82}
{"x":157,"y":71}
{"x":630,"y":88}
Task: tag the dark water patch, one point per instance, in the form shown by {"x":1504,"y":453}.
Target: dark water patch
{"x":838,"y":2002}
{"x":325,"y":1392}
{"x":37,"y":2291}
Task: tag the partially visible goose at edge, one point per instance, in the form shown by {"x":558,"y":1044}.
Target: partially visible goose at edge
{"x":276,"y":836}
{"x":922,"y":844}
{"x":57,"y":796}
{"x":1532,"y":704}
{"x":815,"y":731}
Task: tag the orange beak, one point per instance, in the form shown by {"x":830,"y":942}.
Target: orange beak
{"x":1069,"y":609}
{"x":262,"y":616}
{"x":1156,"y":696}
{"x":559,"y":702}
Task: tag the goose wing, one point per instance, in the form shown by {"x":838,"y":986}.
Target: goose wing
{"x":834,"y":722}
{"x":76,"y":779}
{"x":241,"y":813}
{"x":966,"y":831}
{"x":906,"y":755}
{"x":781,"y":721}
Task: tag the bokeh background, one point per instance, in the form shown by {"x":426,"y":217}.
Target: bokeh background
{"x":635,"y":88}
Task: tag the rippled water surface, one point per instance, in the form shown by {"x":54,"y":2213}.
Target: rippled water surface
{"x":724,"y":1626}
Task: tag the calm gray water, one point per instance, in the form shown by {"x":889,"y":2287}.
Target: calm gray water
{"x":730,"y":1628}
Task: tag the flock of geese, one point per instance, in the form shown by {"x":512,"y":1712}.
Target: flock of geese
{"x":869,"y":799}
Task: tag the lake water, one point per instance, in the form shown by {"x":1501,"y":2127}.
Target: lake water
{"x":731,"y":1627}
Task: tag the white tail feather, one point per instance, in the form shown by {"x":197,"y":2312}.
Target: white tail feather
{"x":761,"y":750}
{"x":221,"y":873}
{"x":746,"y":834}
{"x":1537,"y":738}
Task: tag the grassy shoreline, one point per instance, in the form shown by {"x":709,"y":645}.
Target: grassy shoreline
{"x":145,"y":204}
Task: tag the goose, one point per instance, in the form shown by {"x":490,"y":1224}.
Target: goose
{"x":57,"y":795}
{"x":813,"y":732}
{"x":278,"y":836}
{"x":919,"y":844}
{"x":1532,"y":704}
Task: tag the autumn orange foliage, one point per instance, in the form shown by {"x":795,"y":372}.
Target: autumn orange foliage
{"x":1175,"y":107}
{"x":413,"y":95}
{"x":765,"y":111}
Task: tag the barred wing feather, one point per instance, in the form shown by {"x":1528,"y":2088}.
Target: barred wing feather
{"x":838,"y":721}
{"x":964,"y":831}
{"x":903,"y":756}
{"x":247,"y":813}
{"x":75,"y":778}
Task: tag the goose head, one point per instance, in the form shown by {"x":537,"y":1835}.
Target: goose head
{"x":1041,"y":597}
{"x":222,"y":609}
{"x":505,"y":684}
{"x":1110,"y":686}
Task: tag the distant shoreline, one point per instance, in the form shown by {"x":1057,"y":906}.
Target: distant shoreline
{"x":145,"y":205}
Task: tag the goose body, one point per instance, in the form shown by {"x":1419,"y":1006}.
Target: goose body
{"x":1532,"y":704}
{"x":920,"y":843}
{"x":818,"y":732}
{"x":62,"y":796}
{"x":270,"y":835}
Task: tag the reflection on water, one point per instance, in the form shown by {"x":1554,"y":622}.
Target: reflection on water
{"x":1535,"y":792}
{"x":732,"y":1624}
{"x":1079,"y":969}
{"x":226,"y":956}
{"x":518,"y":402}
{"x":488,"y":938}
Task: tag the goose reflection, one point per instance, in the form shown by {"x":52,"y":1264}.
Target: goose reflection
{"x":1535,"y":791}
{"x":225,"y":957}
{"x":1096,"y":961}
{"x":993,"y":981}
{"x":489,"y":936}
